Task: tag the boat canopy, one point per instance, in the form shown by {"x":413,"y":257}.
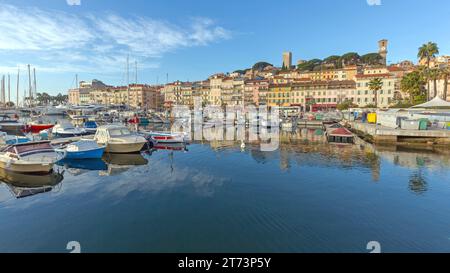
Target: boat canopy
{"x":90,"y":124}
{"x":82,"y":145}
{"x":29,"y":148}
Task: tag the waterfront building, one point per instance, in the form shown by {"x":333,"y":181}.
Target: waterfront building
{"x":321,"y":95}
{"x":141,"y":96}
{"x":237,"y":97}
{"x":255,"y":92}
{"x":226,"y":91}
{"x":385,"y":97}
{"x":436,"y":62}
{"x":186,"y":91}
{"x":279,"y":94}
{"x":82,"y":94}
{"x":215,"y":93}
{"x":280,"y":79}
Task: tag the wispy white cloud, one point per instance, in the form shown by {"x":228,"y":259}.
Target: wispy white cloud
{"x":374,"y":2}
{"x":36,"y":29}
{"x":65,"y":42}
{"x":73,"y":2}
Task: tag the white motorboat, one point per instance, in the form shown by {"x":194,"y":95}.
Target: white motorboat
{"x":31,"y":157}
{"x":118,"y":139}
{"x":10,"y":125}
{"x":67,"y":129}
{"x":165,"y":137}
{"x":6,"y":139}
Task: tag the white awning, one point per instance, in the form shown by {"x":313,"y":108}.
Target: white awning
{"x":434,"y":103}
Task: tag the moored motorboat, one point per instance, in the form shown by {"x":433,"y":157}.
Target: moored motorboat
{"x":90,"y":127}
{"x":118,"y":139}
{"x":6,"y":139}
{"x":11,"y":125}
{"x":83,"y":149}
{"x":37,"y":128}
{"x":66,"y":129}
{"x":31,"y":157}
{"x":165,"y":137}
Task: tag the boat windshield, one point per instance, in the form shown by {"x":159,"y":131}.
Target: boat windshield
{"x":119,"y":132}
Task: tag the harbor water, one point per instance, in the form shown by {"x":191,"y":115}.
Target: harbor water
{"x":216,"y":196}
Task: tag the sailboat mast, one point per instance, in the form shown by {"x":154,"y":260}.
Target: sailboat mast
{"x":128,"y":80}
{"x":3,"y":88}
{"x":29,"y":85}
{"x":34,"y":83}
{"x":135,"y":72}
{"x":9,"y":88}
{"x":18,"y":80}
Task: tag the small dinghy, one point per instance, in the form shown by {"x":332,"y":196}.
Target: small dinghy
{"x":83,"y":149}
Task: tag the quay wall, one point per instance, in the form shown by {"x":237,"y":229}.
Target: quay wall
{"x":384,"y":135}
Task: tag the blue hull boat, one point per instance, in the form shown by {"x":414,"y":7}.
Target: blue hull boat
{"x":83,"y":149}
{"x":91,"y":154}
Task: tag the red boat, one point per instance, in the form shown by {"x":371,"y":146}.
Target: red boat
{"x":36,"y":128}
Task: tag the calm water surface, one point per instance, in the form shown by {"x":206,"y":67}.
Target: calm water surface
{"x":307,"y":196}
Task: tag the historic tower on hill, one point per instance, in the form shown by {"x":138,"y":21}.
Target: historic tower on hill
{"x":382,"y":50}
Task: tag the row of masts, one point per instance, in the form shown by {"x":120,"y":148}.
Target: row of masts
{"x":5,"y":86}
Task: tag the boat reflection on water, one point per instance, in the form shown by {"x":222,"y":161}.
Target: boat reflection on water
{"x":170,"y":146}
{"x":119,"y":163}
{"x":23,"y":185}
{"x":80,"y":166}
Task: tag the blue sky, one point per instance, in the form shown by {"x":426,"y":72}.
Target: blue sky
{"x":191,"y":40}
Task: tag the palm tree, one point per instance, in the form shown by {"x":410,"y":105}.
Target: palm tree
{"x":413,"y":84}
{"x":428,"y":51}
{"x":376,"y":85}
{"x":445,"y":74}
{"x":434,"y":74}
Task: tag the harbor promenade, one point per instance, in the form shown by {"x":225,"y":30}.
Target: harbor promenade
{"x":385,"y":135}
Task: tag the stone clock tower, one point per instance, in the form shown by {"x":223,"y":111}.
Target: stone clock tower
{"x":382,"y":50}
